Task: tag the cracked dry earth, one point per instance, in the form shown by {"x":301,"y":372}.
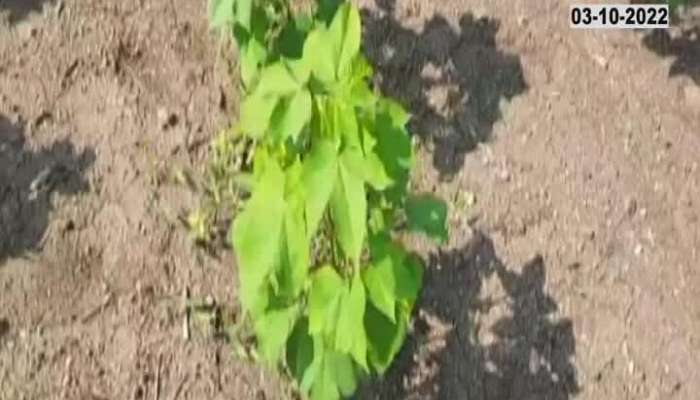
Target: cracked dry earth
{"x":569,"y":159}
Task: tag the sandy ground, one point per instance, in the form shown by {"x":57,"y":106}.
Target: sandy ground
{"x":570,"y":160}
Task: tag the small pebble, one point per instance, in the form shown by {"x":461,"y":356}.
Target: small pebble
{"x":166,"y":119}
{"x":601,"y":61}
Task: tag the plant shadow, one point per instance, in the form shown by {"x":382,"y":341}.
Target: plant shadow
{"x":685,"y":48}
{"x":4,"y":327}
{"x":452,"y":81}
{"x":19,"y":9}
{"x":682,"y":42}
{"x":465,"y":346}
{"x":28,"y":180}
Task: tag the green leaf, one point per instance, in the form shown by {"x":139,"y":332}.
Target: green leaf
{"x":347,"y":125}
{"x":324,"y":387}
{"x":343,"y":372}
{"x":332,"y":50}
{"x":349,"y":204}
{"x":241,"y":36}
{"x":362,"y":96}
{"x":300,"y":350}
{"x":324,"y":299}
{"x":327,"y":9}
{"x":257,"y":235}
{"x":345,"y":32}
{"x":293,"y":191}
{"x":277,"y":80}
{"x":291,"y":116}
{"x":384,"y":337}
{"x":409,"y":280}
{"x":331,"y":375}
{"x":244,"y":11}
{"x":272,"y":330}
{"x":256,"y":113}
{"x":318,"y":53}
{"x":381,"y":284}
{"x":318,"y":178}
{"x":295,"y":266}
{"x":260,"y":161}
{"x":355,"y":89}
{"x":256,"y":21}
{"x":312,"y":372}
{"x":369,"y":142}
{"x":427,"y":214}
{"x":320,"y":378}
{"x":291,"y":40}
{"x":253,"y":55}
{"x":300,"y":70}
{"x":375,"y":172}
{"x":221,"y":13}
{"x":304,"y":22}
{"x":350,"y":336}
{"x":361,"y":70}
{"x":377,"y":221}
{"x":278,"y":102}
{"x":393,"y":148}
{"x":397,"y":114}
{"x":393,"y":276}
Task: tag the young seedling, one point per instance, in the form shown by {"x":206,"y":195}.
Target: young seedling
{"x":328,"y":289}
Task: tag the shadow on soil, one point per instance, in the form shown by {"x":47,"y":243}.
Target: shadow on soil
{"x":681,"y":42}
{"x":465,"y":347}
{"x":4,"y":327}
{"x":685,"y":49}
{"x":28,"y":179}
{"x":19,"y":9}
{"x":452,"y":80}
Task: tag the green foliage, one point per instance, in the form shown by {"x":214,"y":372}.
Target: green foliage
{"x":329,"y":290}
{"x":427,"y":214}
{"x":675,"y":5}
